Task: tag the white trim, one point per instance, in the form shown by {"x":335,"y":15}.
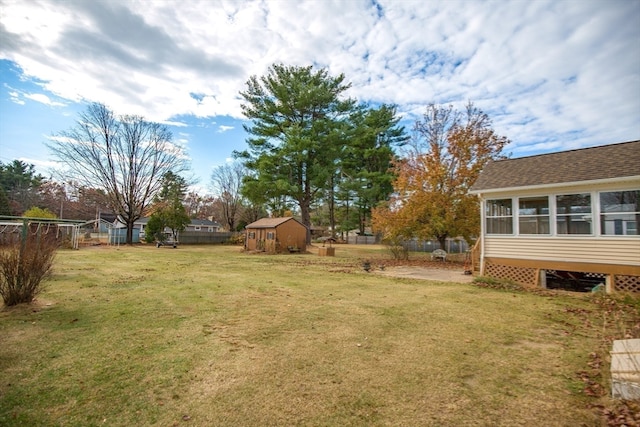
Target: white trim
{"x":595,"y":215}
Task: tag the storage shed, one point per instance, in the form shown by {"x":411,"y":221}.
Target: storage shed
{"x":276,"y":235}
{"x":566,"y":215}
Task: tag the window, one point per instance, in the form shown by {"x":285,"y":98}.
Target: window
{"x":573,"y":214}
{"x":620,"y":212}
{"x":499,"y":215}
{"x":210,"y":230}
{"x":252,"y":234}
{"x":270,"y":235}
{"x":196,"y":228}
{"x":533,"y":215}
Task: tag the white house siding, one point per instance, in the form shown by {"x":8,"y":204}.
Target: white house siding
{"x":621,"y":251}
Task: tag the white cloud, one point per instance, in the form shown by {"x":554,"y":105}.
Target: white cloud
{"x":223,"y":128}
{"x":545,"y":71}
{"x":15,"y":98}
{"x":44,"y":99}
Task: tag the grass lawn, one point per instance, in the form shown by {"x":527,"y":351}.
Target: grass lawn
{"x":210,"y":336}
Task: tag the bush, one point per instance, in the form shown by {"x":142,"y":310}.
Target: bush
{"x":24,"y":265}
{"x":398,"y":252}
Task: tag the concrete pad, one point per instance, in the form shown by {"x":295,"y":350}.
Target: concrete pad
{"x":625,"y":369}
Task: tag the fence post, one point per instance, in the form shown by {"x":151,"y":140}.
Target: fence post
{"x":25,"y":224}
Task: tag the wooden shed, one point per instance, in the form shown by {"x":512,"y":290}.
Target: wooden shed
{"x":276,"y":235}
{"x":566,"y":215}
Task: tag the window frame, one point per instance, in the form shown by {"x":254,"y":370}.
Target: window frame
{"x":549,"y":215}
{"x":509,"y":216}
{"x":596,"y":214}
{"x":602,"y":214}
{"x":581,"y":215}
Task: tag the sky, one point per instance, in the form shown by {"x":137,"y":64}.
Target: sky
{"x":552,"y":75}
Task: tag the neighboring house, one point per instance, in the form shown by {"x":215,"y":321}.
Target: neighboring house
{"x":204,"y":225}
{"x":196,"y":225}
{"x":573,"y":213}
{"x":276,"y":235}
{"x":105,"y":221}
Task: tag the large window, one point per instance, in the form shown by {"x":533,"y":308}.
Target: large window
{"x":620,"y":212}
{"x":499,"y":215}
{"x":533,"y":215}
{"x":573,"y":214}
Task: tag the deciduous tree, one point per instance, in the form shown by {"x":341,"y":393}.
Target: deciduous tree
{"x":431,"y":200}
{"x":126,"y":156}
{"x":226,"y":181}
{"x":40,"y":213}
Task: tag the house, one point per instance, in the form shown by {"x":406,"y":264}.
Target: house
{"x":276,"y":235}
{"x":204,"y":225}
{"x":570,"y":215}
{"x":196,"y":225}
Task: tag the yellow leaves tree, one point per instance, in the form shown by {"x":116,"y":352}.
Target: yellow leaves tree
{"x":448,"y":150}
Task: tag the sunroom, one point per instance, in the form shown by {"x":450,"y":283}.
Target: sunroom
{"x":566,"y":220}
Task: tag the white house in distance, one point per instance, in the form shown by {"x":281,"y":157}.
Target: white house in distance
{"x":196,"y":225}
{"x":572,"y":214}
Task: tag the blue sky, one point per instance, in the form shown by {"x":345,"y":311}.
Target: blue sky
{"x":553,"y":75}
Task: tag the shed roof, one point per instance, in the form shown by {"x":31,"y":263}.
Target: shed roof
{"x":272,"y":222}
{"x":586,"y":164}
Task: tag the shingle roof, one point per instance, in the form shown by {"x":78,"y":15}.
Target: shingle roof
{"x":205,"y":222}
{"x":595,"y":163}
{"x":270,"y":222}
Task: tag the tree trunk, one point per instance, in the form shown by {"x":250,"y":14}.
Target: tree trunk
{"x":306,"y":218}
{"x":332,"y":204}
{"x":129,"y":232}
{"x":442,"y":240}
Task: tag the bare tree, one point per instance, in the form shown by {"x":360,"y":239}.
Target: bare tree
{"x":226,"y":181}
{"x":125,"y":156}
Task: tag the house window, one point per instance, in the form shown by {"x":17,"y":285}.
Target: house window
{"x":573,"y":214}
{"x":499,"y":216}
{"x":210,"y":230}
{"x":252,"y":234}
{"x":620,"y":212}
{"x":533,"y":215}
{"x":270,"y":235}
{"x":196,"y":228}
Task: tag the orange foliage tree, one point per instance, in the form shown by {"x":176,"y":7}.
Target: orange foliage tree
{"x":448,"y":150}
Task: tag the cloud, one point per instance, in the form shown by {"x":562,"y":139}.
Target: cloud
{"x":15,"y":98}
{"x":223,"y":128}
{"x":44,"y":99}
{"x":545,"y":71}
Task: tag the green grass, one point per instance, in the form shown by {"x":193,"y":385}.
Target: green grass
{"x":211,"y":336}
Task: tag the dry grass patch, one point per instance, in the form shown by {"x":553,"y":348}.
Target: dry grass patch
{"x":211,"y":336}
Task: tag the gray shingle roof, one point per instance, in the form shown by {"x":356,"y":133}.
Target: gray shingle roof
{"x":595,"y":163}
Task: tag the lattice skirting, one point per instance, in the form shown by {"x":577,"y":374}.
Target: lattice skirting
{"x":521,"y":275}
{"x":529,"y":277}
{"x":627,"y":283}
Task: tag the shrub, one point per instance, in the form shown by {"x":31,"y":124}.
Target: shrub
{"x":24,"y":265}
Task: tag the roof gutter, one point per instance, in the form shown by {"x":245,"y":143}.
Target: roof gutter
{"x":559,"y":185}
